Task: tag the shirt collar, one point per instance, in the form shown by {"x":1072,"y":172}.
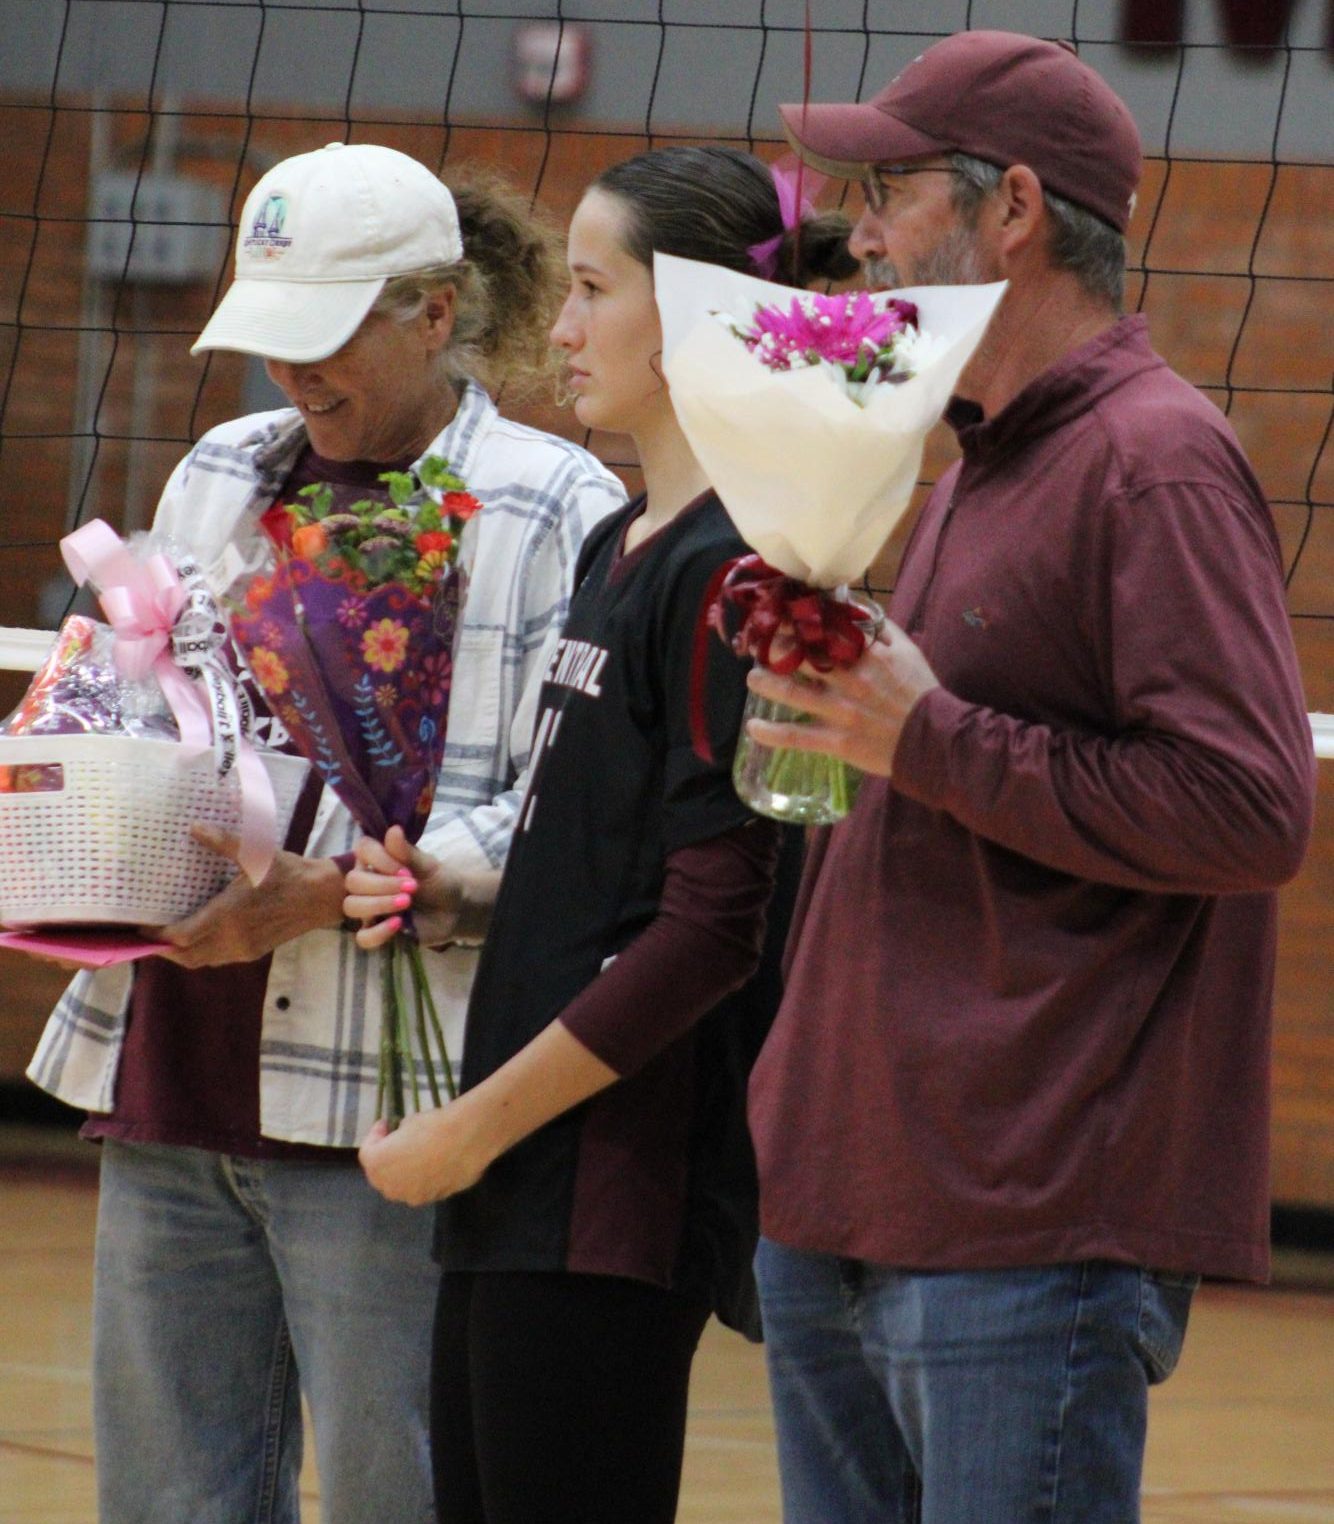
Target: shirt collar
{"x":1059,"y":394}
{"x":460,"y":441}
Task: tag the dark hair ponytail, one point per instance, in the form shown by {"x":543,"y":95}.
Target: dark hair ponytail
{"x":715,"y":204}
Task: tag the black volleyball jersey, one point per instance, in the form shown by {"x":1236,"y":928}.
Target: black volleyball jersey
{"x":615,"y":786}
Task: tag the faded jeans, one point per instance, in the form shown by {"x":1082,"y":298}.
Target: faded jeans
{"x":1015,"y":1396}
{"x":218,"y":1278}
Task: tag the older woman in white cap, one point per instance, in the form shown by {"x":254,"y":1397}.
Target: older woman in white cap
{"x":242,"y":1258}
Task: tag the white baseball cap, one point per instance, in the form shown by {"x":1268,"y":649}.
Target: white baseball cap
{"x":319,"y":236}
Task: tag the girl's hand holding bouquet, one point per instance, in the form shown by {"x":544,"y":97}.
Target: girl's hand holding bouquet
{"x":392,"y":877}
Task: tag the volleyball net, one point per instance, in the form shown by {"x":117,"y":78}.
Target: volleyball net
{"x":137,"y":127}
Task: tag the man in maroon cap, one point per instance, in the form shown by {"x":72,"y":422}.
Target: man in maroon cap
{"x":1015,"y":1103}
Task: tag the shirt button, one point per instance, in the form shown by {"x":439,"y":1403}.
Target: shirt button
{"x":282,"y":1002}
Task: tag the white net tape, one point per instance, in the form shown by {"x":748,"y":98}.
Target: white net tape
{"x":24,"y":650}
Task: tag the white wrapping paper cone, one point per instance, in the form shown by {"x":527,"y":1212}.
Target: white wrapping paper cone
{"x":814,"y":482}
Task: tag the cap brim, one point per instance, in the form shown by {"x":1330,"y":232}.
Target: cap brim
{"x":845,"y":141}
{"x":296,"y":321}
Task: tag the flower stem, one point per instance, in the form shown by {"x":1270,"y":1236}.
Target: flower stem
{"x":428,"y":1000}
{"x":423,"y":1038}
{"x":402,"y":1048}
{"x":390,"y":1089}
{"x":402,"y":1026}
{"x":809,"y":788}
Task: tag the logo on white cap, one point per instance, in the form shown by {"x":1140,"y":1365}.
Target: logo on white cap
{"x":265,"y":239}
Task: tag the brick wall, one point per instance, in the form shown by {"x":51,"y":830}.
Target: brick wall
{"x":1233,"y":252}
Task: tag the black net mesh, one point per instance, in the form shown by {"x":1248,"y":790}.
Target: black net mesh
{"x":135,"y":129}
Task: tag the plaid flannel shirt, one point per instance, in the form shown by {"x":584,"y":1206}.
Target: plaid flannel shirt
{"x":321,"y":1023}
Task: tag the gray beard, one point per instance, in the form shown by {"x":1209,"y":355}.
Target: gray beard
{"x":955,"y":261}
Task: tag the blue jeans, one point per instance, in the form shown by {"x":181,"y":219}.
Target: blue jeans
{"x":218,"y":1279}
{"x":964,"y":1397}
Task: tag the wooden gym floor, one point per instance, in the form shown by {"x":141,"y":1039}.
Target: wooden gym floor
{"x":1243,"y":1433}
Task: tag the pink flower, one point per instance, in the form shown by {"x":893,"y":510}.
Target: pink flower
{"x":435,"y":671}
{"x":844,"y":330}
{"x":351,"y":613}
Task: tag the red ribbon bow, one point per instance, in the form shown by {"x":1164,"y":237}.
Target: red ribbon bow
{"x":786,"y":622}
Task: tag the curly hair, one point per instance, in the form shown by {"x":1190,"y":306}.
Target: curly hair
{"x":508,"y":287}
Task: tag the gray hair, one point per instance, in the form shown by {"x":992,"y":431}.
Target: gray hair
{"x":404,"y":299}
{"x":507,"y":288}
{"x":1081,"y":242}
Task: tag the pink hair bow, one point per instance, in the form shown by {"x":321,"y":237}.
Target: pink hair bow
{"x":791,"y":180}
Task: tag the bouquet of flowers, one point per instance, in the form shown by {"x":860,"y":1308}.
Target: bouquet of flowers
{"x":809,"y":417}
{"x":351,"y":640}
{"x":855,"y":343}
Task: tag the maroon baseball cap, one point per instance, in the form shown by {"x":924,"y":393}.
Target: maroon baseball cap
{"x":1000,"y":96}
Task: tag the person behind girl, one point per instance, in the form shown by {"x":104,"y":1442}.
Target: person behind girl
{"x":241,"y":1258}
{"x":595,"y":1178}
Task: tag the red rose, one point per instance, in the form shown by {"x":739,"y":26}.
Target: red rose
{"x":277,"y":522}
{"x":460,"y":505}
{"x":435,"y":539}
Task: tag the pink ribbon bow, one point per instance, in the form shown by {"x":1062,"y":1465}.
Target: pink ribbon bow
{"x":142,"y":600}
{"x":791,"y":179}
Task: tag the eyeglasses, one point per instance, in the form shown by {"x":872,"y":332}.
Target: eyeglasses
{"x":874,"y":182}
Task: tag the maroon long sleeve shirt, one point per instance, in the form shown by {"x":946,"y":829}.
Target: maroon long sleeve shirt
{"x":1028,"y":1010}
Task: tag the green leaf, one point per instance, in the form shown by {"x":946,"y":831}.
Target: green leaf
{"x":320,"y":497}
{"x":402,"y":485}
{"x":434,"y":472}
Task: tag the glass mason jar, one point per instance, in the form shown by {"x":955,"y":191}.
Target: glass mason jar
{"x":799,"y":787}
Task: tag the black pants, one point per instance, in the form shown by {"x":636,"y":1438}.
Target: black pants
{"x":559,"y":1399}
